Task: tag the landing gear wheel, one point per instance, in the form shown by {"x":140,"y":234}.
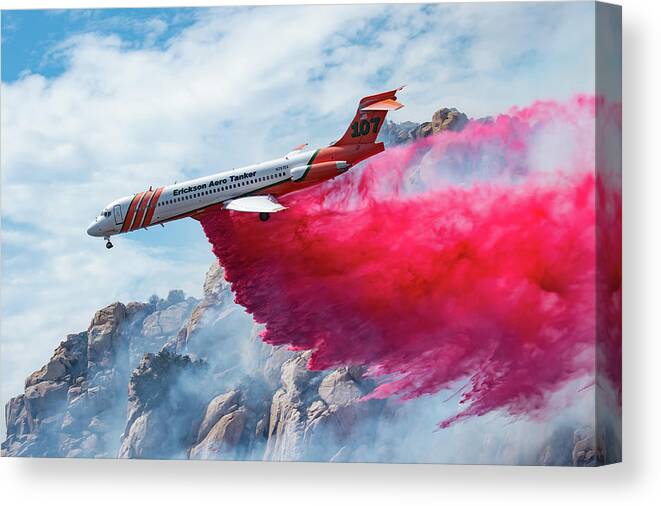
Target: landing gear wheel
{"x":108,"y":245}
{"x":264,"y":216}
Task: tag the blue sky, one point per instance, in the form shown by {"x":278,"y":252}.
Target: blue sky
{"x":29,"y":36}
{"x":97,"y":104}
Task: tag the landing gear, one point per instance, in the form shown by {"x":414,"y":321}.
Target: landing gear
{"x":108,"y":243}
{"x":264,"y":216}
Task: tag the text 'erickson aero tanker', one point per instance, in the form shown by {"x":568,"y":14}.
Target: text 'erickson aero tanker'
{"x":252,"y":189}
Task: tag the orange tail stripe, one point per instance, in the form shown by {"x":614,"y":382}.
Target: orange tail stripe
{"x":129,"y":214}
{"x":152,"y":207}
{"x":140,"y":211}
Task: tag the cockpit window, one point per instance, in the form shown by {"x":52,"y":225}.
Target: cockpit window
{"x":105,"y":213}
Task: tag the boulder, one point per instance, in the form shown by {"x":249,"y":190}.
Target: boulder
{"x":214,"y":282}
{"x":68,"y":362}
{"x":166,"y":323}
{"x":222,"y":440}
{"x":104,"y":334}
{"x":142,"y":437}
{"x":295,"y":374}
{"x":17,"y":419}
{"x":286,"y":426}
{"x":339,"y":388}
{"x":448,"y":119}
{"x":45,"y":398}
{"x":218,"y":408}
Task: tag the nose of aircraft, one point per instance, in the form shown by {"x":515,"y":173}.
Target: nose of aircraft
{"x":94,"y":229}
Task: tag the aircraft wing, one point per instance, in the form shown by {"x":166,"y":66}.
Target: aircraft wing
{"x":255,"y":204}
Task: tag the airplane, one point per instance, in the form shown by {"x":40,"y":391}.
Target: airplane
{"x":255,"y":188}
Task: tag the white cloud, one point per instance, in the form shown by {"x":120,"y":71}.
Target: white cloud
{"x":237,"y":86}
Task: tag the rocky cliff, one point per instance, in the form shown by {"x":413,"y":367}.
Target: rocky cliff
{"x":75,"y":405}
{"x":203,"y":386}
{"x":191,"y":379}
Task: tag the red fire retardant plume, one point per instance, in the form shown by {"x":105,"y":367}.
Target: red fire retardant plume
{"x":485,"y":284}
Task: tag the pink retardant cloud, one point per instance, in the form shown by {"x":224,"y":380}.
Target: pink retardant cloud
{"x":486,"y":279}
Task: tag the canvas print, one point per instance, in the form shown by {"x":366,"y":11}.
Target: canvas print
{"x":357,"y":233}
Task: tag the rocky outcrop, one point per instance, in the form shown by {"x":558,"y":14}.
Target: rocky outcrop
{"x":75,"y":405}
{"x":34,"y":419}
{"x":315,"y":416}
{"x":222,"y":428}
{"x":222,"y":441}
{"x":445,"y":119}
{"x":166,"y":395}
{"x":157,"y":327}
{"x":450,"y":120}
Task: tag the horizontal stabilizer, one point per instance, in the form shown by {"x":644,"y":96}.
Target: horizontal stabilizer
{"x":255,"y":204}
{"x":384,"y":105}
{"x":297,"y":149}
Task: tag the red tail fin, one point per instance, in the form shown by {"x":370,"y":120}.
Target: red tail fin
{"x":371,"y":113}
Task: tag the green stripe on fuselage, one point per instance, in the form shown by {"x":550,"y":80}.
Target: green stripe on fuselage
{"x":314,"y":155}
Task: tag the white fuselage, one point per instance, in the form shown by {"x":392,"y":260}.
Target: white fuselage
{"x":185,"y":199}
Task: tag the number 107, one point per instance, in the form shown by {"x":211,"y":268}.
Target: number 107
{"x":363,"y":127}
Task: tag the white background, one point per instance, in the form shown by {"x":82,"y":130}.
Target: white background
{"x":636,"y":481}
